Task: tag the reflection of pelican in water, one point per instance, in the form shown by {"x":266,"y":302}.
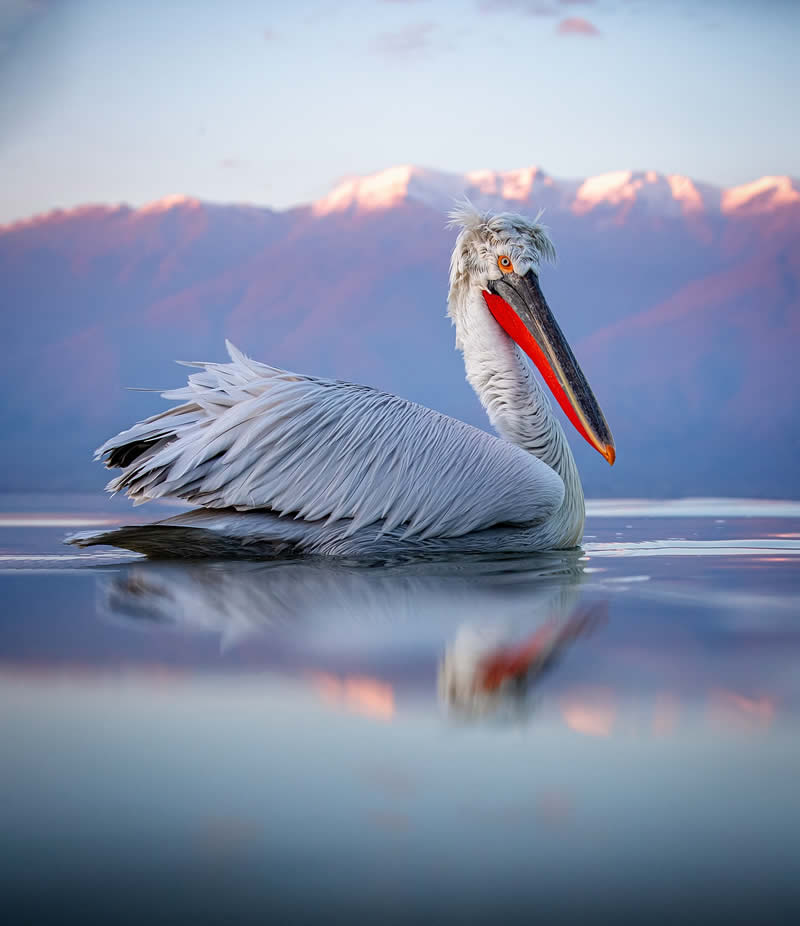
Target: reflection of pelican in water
{"x":353,"y":609}
{"x":484,"y":664}
{"x":213,"y":596}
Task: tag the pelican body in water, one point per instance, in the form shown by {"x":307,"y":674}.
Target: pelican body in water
{"x":286,"y":464}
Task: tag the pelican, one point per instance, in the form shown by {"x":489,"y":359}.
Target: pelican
{"x":287,"y":464}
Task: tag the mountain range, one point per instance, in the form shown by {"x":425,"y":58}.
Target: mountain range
{"x":681,"y":301}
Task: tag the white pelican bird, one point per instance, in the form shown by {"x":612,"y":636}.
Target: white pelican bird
{"x":282,"y":463}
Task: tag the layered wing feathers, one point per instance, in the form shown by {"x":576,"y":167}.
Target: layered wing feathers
{"x":251,"y":436}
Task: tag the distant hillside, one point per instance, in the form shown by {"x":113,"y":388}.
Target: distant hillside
{"x":681,"y":300}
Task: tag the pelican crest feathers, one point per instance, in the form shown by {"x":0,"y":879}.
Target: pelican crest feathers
{"x":484,"y":235}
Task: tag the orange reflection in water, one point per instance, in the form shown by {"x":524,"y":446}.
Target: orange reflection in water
{"x":356,"y":693}
{"x":591,"y":712}
{"x":735,"y":711}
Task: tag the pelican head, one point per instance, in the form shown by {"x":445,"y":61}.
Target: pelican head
{"x":495,"y":269}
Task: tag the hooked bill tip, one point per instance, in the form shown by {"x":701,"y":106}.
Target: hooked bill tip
{"x":610,"y":454}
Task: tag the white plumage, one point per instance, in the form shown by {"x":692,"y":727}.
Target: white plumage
{"x":309,"y":465}
{"x":251,"y":436}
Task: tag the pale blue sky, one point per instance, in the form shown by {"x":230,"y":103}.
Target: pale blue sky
{"x":108,"y":101}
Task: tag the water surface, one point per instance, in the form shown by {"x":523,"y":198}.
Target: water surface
{"x":212,"y":741}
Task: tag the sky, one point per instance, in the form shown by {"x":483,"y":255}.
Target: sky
{"x":273,"y":103}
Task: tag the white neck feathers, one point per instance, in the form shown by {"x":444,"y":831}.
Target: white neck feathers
{"x":515,"y":402}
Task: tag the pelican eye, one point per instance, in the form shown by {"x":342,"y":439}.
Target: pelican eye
{"x":504,"y":263}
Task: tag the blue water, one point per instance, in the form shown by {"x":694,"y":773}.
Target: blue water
{"x":247,"y":741}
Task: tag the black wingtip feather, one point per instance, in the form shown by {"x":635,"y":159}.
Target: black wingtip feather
{"x":121,"y":457}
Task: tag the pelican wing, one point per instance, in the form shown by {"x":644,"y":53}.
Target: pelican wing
{"x":250,"y":436}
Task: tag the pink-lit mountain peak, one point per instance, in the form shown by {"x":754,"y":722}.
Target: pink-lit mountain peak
{"x":664,"y":194}
{"x":435,"y":188}
{"x":173,"y":201}
{"x":763,"y":195}
{"x":92,"y":211}
{"x":528,"y":189}
{"x":388,"y":188}
{"x":517,"y":184}
{"x":620,"y":191}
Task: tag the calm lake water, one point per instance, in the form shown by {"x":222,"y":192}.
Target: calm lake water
{"x":229,"y":742}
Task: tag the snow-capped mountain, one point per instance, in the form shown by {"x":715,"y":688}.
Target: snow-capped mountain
{"x":681,"y":301}
{"x":659,"y":194}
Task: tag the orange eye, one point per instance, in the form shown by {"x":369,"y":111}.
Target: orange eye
{"x":504,"y":263}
